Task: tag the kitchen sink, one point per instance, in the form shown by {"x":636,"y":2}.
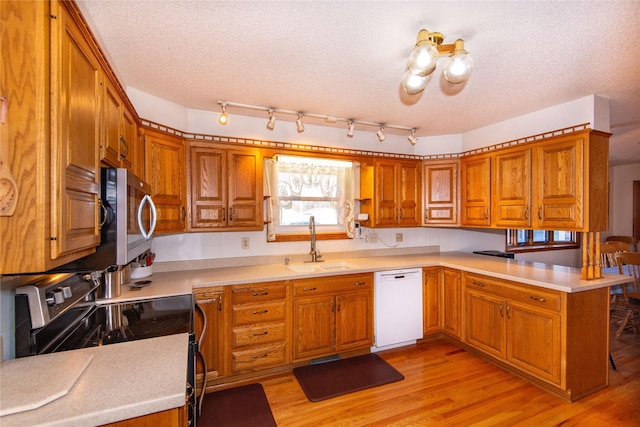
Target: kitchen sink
{"x":311,"y":267}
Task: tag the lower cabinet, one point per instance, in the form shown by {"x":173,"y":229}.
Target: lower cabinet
{"x":258,"y":330}
{"x":332,"y":315}
{"x":210,"y":301}
{"x":451,"y":297}
{"x":431,"y":300}
{"x":553,"y":337}
{"x":170,"y":418}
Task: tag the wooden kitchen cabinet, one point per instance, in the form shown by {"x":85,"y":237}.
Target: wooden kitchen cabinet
{"x":211,"y":301}
{"x":451,"y":302}
{"x":440,"y":184}
{"x":259,"y":326}
{"x":431,"y":299}
{"x":52,"y":142}
{"x":166,"y":173}
{"x":475,"y":191}
{"x":118,"y":144}
{"x":225,"y":188}
{"x":395,"y":186}
{"x":332,"y":315}
{"x":511,"y":188}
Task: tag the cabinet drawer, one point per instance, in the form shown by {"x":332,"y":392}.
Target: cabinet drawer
{"x":246,"y":294}
{"x":259,"y":358}
{"x":257,"y":335}
{"x":267,"y":312}
{"x":534,"y":296}
{"x":333,"y":284}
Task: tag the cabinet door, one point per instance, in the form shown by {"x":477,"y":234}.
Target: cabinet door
{"x":533,"y":340}
{"x":430,"y":299}
{"x":485,"y":323}
{"x":451,"y":302}
{"x":313,"y":327}
{"x":385,"y":181}
{"x":129,"y":144}
{"x":512,"y":189}
{"x":354,"y":320}
{"x":440,"y":193}
{"x":559,"y":184}
{"x":210,"y":301}
{"x":111,"y":133}
{"x":475,"y":191}
{"x":75,"y":121}
{"x":408,"y":194}
{"x":166,"y":174}
{"x":208,"y":184}
{"x":245,"y":189}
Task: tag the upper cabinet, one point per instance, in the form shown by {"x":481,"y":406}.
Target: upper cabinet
{"x":51,"y":77}
{"x":119,"y":138}
{"x":391,"y":193}
{"x":475,"y":189}
{"x":225,"y":188}
{"x":557,"y":183}
{"x":440,"y":184}
{"x":166,"y":173}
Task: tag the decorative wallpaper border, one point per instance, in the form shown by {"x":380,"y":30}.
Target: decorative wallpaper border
{"x":349,"y":151}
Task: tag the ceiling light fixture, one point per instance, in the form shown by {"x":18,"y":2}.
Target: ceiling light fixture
{"x":300,"y":126}
{"x":424,"y":58}
{"x":272,"y":120}
{"x":412,"y":137}
{"x":351,"y":129}
{"x":380,"y":134}
{"x":224,"y":117}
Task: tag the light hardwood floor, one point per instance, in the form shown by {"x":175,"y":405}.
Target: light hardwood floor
{"x":447,"y":386}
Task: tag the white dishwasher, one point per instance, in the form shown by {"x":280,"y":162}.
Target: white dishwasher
{"x":397,"y":308}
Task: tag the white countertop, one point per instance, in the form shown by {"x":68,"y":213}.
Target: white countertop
{"x":122,"y":381}
{"x":560,"y":278}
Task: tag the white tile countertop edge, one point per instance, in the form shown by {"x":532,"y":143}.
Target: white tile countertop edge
{"x":560,"y":278}
{"x":122,"y":381}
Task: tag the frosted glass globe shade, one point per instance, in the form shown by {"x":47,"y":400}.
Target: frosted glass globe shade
{"x":458,"y":68}
{"x":413,"y":84}
{"x":423,"y":59}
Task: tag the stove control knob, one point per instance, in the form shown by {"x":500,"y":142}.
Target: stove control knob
{"x":66,"y":291}
{"x":58,"y":297}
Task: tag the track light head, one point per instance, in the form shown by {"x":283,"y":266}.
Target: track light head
{"x":224,"y":117}
{"x":412,"y":137}
{"x":380,"y":134}
{"x":299,"y":124}
{"x":272,"y":120}
{"x":351,"y":129}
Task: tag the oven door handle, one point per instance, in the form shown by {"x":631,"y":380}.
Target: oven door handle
{"x":147,"y":234}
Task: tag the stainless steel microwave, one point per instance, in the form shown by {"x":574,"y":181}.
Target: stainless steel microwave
{"x":128,"y":219}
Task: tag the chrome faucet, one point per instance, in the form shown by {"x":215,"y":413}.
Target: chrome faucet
{"x":315,"y":253}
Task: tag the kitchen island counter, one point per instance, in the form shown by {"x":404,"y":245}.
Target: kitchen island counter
{"x":122,"y":381}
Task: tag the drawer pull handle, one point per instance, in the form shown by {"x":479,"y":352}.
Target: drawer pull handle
{"x":260,"y":294}
{"x":478,"y":284}
{"x":537,"y":298}
{"x":501,"y":308}
{"x":261,"y":334}
{"x":261,"y":312}
{"x":260,"y":356}
{"x":508,"y":312}
{"x":308,"y":289}
{"x":359,"y":283}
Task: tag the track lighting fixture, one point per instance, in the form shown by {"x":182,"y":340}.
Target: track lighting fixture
{"x":224,"y":117}
{"x":412,"y":137}
{"x":351,"y":129}
{"x":272,"y":120}
{"x":299,"y":124}
{"x":424,"y":58}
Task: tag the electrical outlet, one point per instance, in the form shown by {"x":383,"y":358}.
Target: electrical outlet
{"x":372,"y":238}
{"x":399,"y":237}
{"x":245,"y":243}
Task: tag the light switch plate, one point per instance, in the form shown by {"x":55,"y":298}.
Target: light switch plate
{"x":363,"y":216}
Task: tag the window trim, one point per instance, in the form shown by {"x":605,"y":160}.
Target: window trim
{"x":531,"y":246}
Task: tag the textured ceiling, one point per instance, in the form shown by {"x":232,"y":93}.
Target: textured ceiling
{"x":346,"y":58}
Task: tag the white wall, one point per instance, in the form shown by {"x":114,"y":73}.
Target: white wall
{"x":621,"y":198}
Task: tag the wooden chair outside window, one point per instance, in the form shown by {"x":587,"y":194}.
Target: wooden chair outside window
{"x":629,"y":304}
